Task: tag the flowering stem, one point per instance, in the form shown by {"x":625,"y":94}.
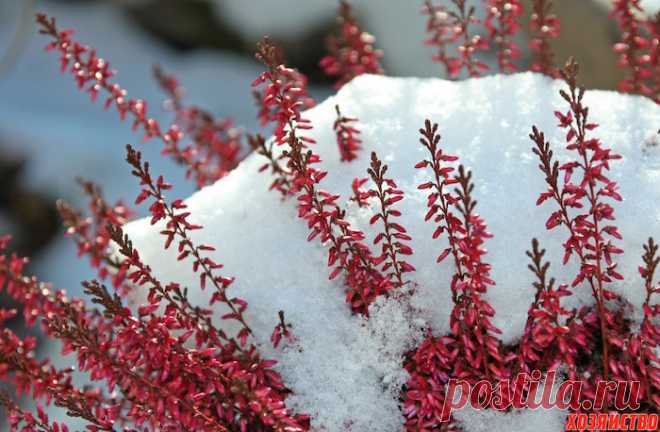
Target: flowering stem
{"x":282,"y":176}
{"x":69,"y":328}
{"x":200,"y":318}
{"x":178,"y":226}
{"x":16,"y":416}
{"x":94,"y":74}
{"x":647,"y":342}
{"x":347,"y":253}
{"x":430,"y":139}
{"x":543,"y":27}
{"x":394,"y":234}
{"x":347,"y":135}
{"x":585,"y":229}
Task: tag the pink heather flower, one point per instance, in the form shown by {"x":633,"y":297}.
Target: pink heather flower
{"x":348,"y":137}
{"x":502,"y":23}
{"x":544,"y":26}
{"x":352,"y":51}
{"x":448,"y":26}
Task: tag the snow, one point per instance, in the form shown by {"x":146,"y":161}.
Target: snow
{"x":344,"y":370}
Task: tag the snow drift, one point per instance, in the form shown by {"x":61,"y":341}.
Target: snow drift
{"x":345,"y":370}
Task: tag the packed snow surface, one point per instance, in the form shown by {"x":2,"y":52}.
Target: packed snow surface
{"x":344,"y":370}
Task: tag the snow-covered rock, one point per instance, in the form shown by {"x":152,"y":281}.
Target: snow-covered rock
{"x":345,"y":370}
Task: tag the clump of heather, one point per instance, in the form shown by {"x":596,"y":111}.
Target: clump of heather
{"x":587,"y":216}
{"x":348,"y":254}
{"x":472,"y":350}
{"x":219,"y":383}
{"x":555,"y":336}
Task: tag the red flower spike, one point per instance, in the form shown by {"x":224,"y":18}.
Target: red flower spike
{"x":544,"y":26}
{"x":91,"y":234}
{"x":394,"y":237}
{"x":440,"y":200}
{"x":216,"y":144}
{"x":472,"y":339}
{"x":351,"y":52}
{"x":587,"y":234}
{"x":348,"y":139}
{"x":178,"y":228}
{"x":502,"y":23}
{"x":638,"y":49}
{"x":283,"y":94}
{"x":326,"y":220}
{"x":198,"y":320}
{"x":449,"y":26}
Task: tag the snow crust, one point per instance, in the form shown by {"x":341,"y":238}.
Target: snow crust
{"x":344,"y":370}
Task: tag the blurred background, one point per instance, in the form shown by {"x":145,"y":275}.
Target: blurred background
{"x":50,"y":133}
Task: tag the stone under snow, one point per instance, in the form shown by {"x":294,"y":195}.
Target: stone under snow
{"x":346,"y":371}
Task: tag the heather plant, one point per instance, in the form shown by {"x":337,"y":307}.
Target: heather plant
{"x":92,"y":235}
{"x":502,"y":25}
{"x":352,"y":51}
{"x":583,"y":209}
{"x":638,"y":48}
{"x":544,"y":27}
{"x":473,"y":338}
{"x":394,"y":236}
{"x":216,"y":146}
{"x":554,"y":335}
{"x":455,"y":24}
{"x":158,"y":360}
{"x":348,"y":139}
{"x":348,"y":253}
{"x":216,"y":143}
